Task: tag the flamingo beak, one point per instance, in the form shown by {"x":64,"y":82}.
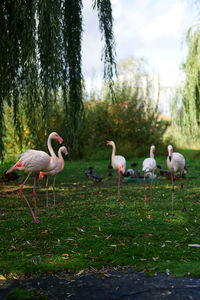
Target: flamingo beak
{"x":108,"y":143}
{"x":170,"y":155}
{"x":60,"y":140}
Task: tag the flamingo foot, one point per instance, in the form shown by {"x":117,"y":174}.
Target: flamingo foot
{"x":36,"y":220}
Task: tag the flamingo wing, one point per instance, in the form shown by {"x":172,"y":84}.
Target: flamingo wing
{"x":149,"y":164}
{"x":177,"y":164}
{"x":35,"y":161}
{"x":118,"y":161}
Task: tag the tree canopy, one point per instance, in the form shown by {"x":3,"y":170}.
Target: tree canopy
{"x":40,"y":56}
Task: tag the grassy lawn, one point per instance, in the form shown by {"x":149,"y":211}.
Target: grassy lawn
{"x":91,"y":227}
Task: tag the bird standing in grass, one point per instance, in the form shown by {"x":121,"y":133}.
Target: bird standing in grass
{"x":34,"y":161}
{"x":118,"y":162}
{"x":59,"y":167}
{"x":176,"y":163}
{"x":94,"y":177}
{"x":149,"y":165}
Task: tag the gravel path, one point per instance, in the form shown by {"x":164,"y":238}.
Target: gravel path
{"x":113,"y":284}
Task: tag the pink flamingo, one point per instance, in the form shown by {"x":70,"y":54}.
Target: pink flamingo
{"x":176,"y":163}
{"x":59,"y":167}
{"x":34,"y":161}
{"x":149,"y":165}
{"x":118,"y":162}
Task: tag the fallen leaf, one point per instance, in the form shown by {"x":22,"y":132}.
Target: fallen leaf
{"x":80,"y":229}
{"x":2,"y":277}
{"x":155,"y":258}
{"x":80,"y":272}
{"x":143,"y":271}
{"x":194,"y":245}
{"x":178,"y":245}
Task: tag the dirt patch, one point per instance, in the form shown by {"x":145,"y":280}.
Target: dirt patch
{"x":104,"y":285}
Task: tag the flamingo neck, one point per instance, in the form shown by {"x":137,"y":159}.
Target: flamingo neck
{"x":61,"y":160}
{"x":170,"y":154}
{"x":53,"y":155}
{"x":151,"y":154}
{"x":113,"y":151}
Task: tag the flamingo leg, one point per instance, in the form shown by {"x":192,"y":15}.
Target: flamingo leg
{"x":183,"y":199}
{"x":21,"y":192}
{"x":151,"y":185}
{"x":47,"y":197}
{"x":119,"y":183}
{"x":172,"y":178}
{"x":145,"y":196}
{"x":54,"y":196}
{"x":34,"y":194}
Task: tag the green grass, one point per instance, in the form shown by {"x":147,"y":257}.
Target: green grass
{"x":92,"y":227}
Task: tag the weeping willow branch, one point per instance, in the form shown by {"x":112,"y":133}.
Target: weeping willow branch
{"x":106,"y":28}
{"x":72,"y":31}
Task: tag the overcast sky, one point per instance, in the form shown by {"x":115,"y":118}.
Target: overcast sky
{"x":153,"y":29}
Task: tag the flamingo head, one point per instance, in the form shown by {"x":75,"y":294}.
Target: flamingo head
{"x":63,"y":149}
{"x":109,"y":143}
{"x":170,"y":150}
{"x":56,"y":136}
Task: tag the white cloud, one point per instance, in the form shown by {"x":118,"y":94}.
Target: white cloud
{"x":153,"y":29}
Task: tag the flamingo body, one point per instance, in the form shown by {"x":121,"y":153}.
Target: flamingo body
{"x":59,"y":167}
{"x":59,"y":162}
{"x":118,"y":162}
{"x":175,"y":163}
{"x":149,"y":165}
{"x":34,"y":161}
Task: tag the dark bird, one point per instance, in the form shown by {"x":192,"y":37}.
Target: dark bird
{"x":134,"y":164}
{"x":94,"y":177}
{"x":9,"y":176}
{"x":132,"y":173}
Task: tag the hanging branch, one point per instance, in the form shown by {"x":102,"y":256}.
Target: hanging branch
{"x":106,"y":27}
{"x":72,"y":31}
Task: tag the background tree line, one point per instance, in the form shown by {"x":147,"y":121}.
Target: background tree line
{"x":131,"y":120}
{"x":42,"y":88}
